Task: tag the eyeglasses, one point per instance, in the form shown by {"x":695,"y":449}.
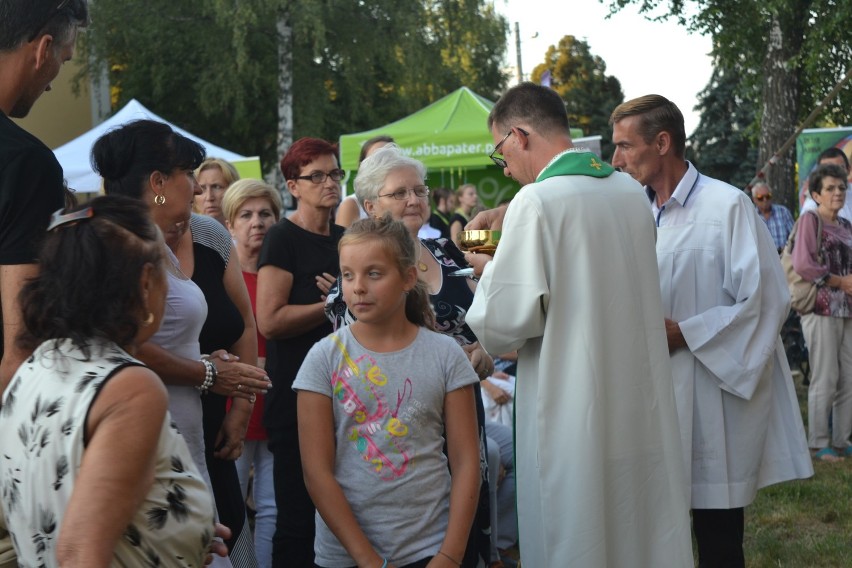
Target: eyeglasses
{"x":47,"y":19}
{"x":500,"y":161}
{"x":401,"y":194}
{"x":763,"y":197}
{"x":320,"y":177}
{"x":58,"y":219}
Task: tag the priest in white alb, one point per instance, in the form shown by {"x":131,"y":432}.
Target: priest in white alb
{"x":574,"y":288}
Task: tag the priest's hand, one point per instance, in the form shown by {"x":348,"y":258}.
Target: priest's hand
{"x":488,"y":219}
{"x":477,"y":261}
{"x":674,"y":336}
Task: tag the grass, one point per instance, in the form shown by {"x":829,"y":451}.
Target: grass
{"x":802,"y":524}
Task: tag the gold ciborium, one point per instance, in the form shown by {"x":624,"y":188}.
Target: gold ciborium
{"x":480,"y":241}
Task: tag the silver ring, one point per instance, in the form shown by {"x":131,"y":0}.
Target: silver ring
{"x":239,"y":387}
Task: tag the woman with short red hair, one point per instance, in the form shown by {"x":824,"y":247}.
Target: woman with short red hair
{"x":297,"y":264}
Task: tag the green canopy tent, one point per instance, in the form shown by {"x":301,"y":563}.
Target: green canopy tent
{"x":451,"y":137}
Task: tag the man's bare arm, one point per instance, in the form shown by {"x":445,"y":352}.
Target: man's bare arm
{"x":12,"y":279}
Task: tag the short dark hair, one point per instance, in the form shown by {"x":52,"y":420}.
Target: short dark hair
{"x":24,"y":20}
{"x":539,"y":107}
{"x":88,"y":282}
{"x":365,"y":147}
{"x":657,"y":114}
{"x":822,"y":172}
{"x":304,"y":151}
{"x":833,"y":152}
{"x":126,"y":156}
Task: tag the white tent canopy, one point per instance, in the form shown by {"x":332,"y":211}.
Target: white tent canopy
{"x":74,"y":156}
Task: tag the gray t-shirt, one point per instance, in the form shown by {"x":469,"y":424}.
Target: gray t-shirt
{"x":389,"y":422}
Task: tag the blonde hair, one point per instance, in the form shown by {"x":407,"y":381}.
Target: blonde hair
{"x":229,"y":172}
{"x":399,"y":244}
{"x":242,"y":190}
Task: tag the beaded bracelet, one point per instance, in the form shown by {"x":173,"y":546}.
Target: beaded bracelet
{"x":210,"y":373}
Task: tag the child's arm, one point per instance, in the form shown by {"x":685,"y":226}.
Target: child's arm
{"x":463,"y":453}
{"x":316,"y":442}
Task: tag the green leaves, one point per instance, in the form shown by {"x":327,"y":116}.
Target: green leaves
{"x":212,"y":66}
{"x":589,"y":93}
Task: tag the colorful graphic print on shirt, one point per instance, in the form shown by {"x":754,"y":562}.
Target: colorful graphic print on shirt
{"x":382,"y":428}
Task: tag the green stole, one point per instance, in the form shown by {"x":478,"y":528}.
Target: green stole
{"x":576,"y":163}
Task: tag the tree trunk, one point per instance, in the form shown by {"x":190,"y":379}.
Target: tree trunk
{"x":285,"y":103}
{"x":780,"y":114}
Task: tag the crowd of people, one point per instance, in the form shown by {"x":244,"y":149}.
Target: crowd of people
{"x":180,"y":340}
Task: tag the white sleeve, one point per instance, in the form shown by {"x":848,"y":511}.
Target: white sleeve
{"x":510,"y":304}
{"x":736,"y":342}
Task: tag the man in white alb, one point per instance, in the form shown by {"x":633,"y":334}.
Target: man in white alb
{"x":573,"y":287}
{"x":724,"y":300}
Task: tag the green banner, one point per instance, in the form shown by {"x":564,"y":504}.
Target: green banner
{"x":811,"y":143}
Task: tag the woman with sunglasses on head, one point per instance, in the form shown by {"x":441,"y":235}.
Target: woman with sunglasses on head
{"x":390,"y":183}
{"x":148,"y":161}
{"x":94,"y":473}
{"x":298,"y":255}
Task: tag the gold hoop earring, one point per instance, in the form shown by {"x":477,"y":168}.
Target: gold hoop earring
{"x":149,"y":320}
{"x":159,"y":199}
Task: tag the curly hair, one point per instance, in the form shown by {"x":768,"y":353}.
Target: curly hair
{"x":399,"y":244}
{"x":90,"y":269}
{"x":825,"y":170}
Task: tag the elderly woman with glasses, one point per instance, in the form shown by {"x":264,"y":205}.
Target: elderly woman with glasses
{"x":390,"y":183}
{"x":823,"y":254}
{"x":298,"y":254}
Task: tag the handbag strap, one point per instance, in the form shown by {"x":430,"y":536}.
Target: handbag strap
{"x":819,"y":235}
{"x":791,"y":240}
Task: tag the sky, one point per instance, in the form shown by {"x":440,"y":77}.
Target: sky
{"x":646,"y":57}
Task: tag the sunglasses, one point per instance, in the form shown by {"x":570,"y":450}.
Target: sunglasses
{"x":766,"y":197}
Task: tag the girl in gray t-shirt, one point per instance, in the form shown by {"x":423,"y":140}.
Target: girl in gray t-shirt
{"x":376,"y":402}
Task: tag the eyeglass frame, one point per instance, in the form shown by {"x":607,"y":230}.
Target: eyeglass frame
{"x":501,"y":162}
{"x":408,"y":191}
{"x":50,"y":15}
{"x":763,"y":197}
{"x":341,"y":173}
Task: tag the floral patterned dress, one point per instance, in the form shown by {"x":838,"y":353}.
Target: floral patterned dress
{"x":42,"y":429}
